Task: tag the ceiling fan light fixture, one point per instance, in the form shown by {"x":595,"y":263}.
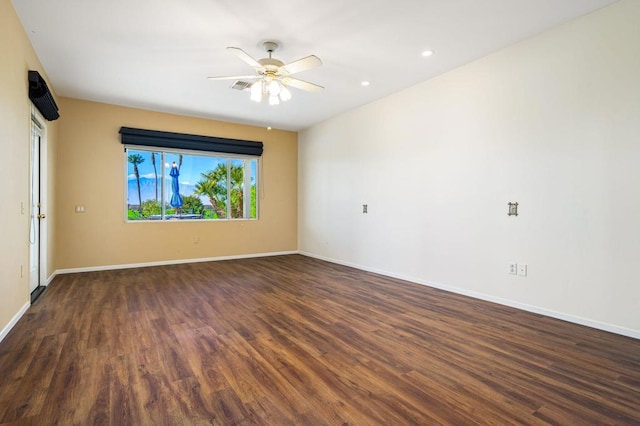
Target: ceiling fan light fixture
{"x":285,"y":94}
{"x":256,"y":91}
{"x":274,"y":87}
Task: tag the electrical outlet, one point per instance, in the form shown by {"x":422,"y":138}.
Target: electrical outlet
{"x":365,"y":208}
{"x":522,"y":270}
{"x":513,"y":268}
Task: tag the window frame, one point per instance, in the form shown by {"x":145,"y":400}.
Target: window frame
{"x":163,"y":175}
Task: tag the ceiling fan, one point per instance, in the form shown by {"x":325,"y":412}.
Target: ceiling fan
{"x":272,"y":75}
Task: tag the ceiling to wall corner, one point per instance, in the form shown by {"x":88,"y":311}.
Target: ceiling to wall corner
{"x":157,"y":55}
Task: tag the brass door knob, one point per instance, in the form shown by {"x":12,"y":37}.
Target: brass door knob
{"x":41,"y":216}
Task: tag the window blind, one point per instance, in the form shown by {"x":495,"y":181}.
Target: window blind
{"x":156,"y":138}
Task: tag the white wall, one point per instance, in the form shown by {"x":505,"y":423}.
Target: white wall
{"x":552,"y":123}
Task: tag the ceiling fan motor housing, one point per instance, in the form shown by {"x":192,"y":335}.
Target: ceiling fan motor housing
{"x":271,"y":64}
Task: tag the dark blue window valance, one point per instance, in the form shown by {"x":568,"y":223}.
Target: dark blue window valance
{"x":41,"y":96}
{"x":155,"y":138}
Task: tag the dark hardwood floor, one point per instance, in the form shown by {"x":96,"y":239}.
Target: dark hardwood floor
{"x":294,"y":340}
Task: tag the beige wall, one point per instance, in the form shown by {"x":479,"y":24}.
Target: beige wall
{"x":551,"y":122}
{"x":91,"y":172}
{"x":17,"y":57}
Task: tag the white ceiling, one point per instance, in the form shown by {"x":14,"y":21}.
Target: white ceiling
{"x":156,"y":54}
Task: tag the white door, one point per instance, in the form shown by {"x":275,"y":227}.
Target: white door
{"x":36,"y":212}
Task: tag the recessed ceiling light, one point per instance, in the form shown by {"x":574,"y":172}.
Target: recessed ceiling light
{"x":365,"y":83}
{"x":427,"y":53}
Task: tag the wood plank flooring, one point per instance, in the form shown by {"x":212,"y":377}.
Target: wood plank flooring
{"x":293,"y":340}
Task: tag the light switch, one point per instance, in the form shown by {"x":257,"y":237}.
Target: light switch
{"x":522,"y":270}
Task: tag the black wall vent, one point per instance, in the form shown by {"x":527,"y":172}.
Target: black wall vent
{"x":159,"y":139}
{"x":41,"y":96}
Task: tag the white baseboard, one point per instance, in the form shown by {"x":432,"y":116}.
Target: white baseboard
{"x":168,"y":262}
{"x":51,"y":277}
{"x":535,"y":309}
{"x":13,"y":321}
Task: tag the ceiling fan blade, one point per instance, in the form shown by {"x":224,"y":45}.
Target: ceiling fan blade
{"x":234,"y":77}
{"x":246,"y":57}
{"x":301,"y":84}
{"x":300,"y":65}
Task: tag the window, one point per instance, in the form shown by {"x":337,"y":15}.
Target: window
{"x":190,"y":185}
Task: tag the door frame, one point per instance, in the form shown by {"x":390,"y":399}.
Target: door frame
{"x":38,"y":120}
